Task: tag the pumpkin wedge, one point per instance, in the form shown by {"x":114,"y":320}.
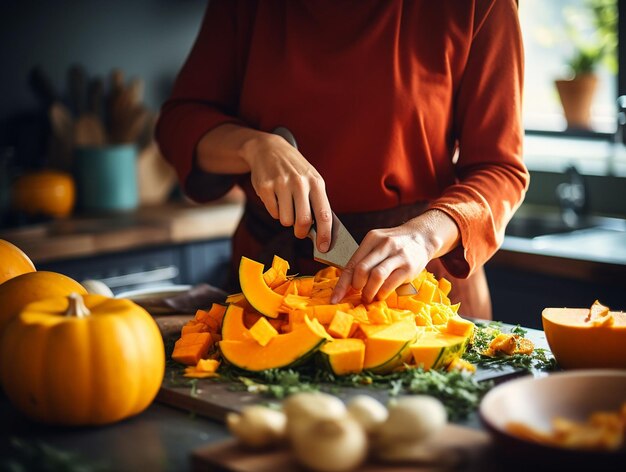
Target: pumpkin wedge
{"x":343,"y":356}
{"x":256,"y":291}
{"x":233,"y":327}
{"x":435,"y":350}
{"x":284,"y":350}
{"x":389,"y":348}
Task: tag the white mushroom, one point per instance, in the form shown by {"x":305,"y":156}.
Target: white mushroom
{"x":302,"y":408}
{"x":412,"y":420}
{"x":257,"y":426}
{"x":330,"y":445}
{"x":367,"y":411}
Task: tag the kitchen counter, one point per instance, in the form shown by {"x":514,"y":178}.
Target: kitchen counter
{"x":159,"y":439}
{"x":82,"y":236}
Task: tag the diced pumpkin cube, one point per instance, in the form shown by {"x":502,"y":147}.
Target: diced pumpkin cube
{"x":460,"y":327}
{"x":426,"y":292}
{"x":377,"y":313}
{"x":263,"y":332}
{"x":194,"y":328}
{"x":341,"y":325}
{"x":392,"y":300}
{"x":192,"y":347}
{"x":444,"y":285}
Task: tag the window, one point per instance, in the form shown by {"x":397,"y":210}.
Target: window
{"x":553,"y":31}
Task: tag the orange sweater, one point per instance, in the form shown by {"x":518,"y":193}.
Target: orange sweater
{"x":393,"y":102}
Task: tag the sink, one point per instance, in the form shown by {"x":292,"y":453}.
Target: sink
{"x":529,"y":226}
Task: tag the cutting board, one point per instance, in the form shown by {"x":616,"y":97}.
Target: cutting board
{"x":214,"y":400}
{"x":454,"y":448}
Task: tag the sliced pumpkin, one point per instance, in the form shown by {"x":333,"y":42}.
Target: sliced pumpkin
{"x":341,"y":325}
{"x":263,"y":332}
{"x":285,"y":350}
{"x":233,"y":327}
{"x":389,"y":348}
{"x":192,"y":347}
{"x":343,"y":356}
{"x":434,"y":350}
{"x":256,"y":291}
{"x":460,"y":327}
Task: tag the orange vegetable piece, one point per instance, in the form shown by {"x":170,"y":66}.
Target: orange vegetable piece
{"x":194,"y":328}
{"x":192,"y":347}
{"x":341,"y":325}
{"x":263,"y":332}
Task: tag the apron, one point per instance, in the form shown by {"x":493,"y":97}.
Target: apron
{"x":259,"y":236}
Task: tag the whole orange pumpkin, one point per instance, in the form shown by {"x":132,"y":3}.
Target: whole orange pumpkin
{"x":19,"y":291}
{"x":82,"y":360}
{"x":13,"y":261}
{"x":47,"y":192}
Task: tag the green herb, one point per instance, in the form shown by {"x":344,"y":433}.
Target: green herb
{"x":459,"y":392}
{"x":25,"y":456}
{"x":539,"y":359}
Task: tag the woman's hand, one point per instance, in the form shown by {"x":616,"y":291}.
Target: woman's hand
{"x":289,"y":186}
{"x":390,"y":257}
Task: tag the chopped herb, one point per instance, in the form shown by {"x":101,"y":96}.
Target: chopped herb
{"x":539,"y":359}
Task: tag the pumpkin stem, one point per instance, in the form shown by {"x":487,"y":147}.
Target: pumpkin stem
{"x":76,"y":307}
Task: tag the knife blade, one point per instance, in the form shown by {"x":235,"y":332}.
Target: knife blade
{"x":342,"y":244}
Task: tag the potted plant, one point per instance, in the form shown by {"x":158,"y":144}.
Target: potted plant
{"x":594,"y":44}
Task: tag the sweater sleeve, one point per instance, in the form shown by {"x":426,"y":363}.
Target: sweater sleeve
{"x":491,"y":176}
{"x":205,"y":95}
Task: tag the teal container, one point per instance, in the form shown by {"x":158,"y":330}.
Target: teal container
{"x":106,"y":178}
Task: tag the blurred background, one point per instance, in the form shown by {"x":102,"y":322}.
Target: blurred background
{"x":83,"y":189}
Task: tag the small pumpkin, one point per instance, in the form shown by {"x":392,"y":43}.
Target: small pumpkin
{"x":13,"y":261}
{"x":82,"y":360}
{"x":19,"y":291}
{"x":47,"y":192}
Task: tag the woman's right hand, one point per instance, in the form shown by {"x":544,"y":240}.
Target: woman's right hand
{"x":290,"y":187}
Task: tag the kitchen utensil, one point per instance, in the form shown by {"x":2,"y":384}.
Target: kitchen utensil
{"x":95,"y":97}
{"x":342,"y":244}
{"x":88,"y":128}
{"x":535,"y":402}
{"x":62,"y":124}
{"x":42,"y":87}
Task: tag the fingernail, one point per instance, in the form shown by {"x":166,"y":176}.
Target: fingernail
{"x":324,"y":246}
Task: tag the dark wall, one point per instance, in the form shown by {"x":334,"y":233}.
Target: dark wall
{"x":147,"y":38}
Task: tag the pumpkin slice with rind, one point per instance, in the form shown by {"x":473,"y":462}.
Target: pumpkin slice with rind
{"x":233,"y":327}
{"x":344,"y":356}
{"x":388,"y":348}
{"x":434,"y":350}
{"x":256,"y":291}
{"x":284,"y":350}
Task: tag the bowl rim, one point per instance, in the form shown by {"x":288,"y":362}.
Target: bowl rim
{"x":505,"y":387}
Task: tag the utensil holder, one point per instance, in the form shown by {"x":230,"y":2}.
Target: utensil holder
{"x":107,"y":178}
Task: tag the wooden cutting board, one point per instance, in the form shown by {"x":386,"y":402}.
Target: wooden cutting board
{"x":454,"y":448}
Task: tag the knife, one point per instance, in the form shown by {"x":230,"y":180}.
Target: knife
{"x":342,"y":244}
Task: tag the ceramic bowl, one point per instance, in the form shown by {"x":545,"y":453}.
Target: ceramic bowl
{"x":537,"y":401}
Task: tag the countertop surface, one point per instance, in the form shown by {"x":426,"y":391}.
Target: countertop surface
{"x":161,"y":438}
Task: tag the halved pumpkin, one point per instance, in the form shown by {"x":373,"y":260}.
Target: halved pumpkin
{"x":578,"y":341}
{"x":284,"y":350}
{"x":256,"y":291}
{"x":388,"y":348}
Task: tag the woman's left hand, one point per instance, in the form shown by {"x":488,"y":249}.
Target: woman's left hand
{"x":390,"y":257}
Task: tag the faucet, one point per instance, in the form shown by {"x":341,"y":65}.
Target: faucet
{"x":572,"y":197}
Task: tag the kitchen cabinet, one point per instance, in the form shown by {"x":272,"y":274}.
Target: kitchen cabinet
{"x":518,"y":296}
{"x":189,"y":263}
